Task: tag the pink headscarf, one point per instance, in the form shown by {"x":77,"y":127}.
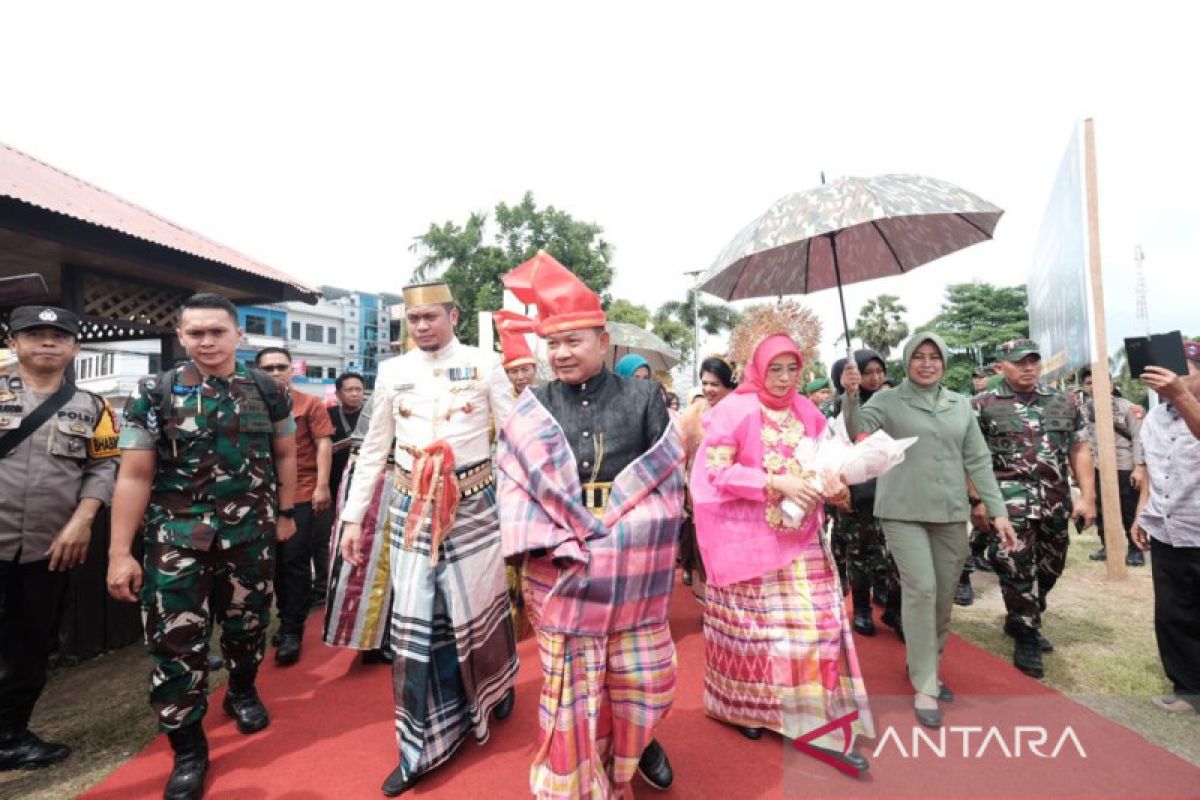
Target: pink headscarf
{"x":755,"y":375}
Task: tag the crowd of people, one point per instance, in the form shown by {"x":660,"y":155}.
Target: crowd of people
{"x":467,"y":503}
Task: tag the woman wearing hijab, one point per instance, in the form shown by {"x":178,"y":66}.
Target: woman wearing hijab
{"x":863,"y":559}
{"x":716,"y":382}
{"x":923,"y":504}
{"x":779,"y":654}
{"x":633,"y":366}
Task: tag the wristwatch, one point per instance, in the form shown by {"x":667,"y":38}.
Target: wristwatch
{"x":290,"y":513}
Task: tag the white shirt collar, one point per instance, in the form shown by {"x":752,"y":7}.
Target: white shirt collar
{"x":446,"y":352}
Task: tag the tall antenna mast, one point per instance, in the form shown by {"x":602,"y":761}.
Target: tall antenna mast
{"x":1143,"y":312}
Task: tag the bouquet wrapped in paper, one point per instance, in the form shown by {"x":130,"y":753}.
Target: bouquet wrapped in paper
{"x":861,"y":462}
{"x":855,"y":463}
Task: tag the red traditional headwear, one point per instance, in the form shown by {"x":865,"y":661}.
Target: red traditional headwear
{"x":513,"y":327}
{"x":563,"y":301}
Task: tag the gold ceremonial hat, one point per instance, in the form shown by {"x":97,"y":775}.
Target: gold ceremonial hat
{"x":427,"y":294}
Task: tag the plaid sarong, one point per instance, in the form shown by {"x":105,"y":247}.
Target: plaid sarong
{"x":451,"y":632}
{"x":602,"y":697}
{"x":617,"y":571}
{"x":779,"y":653}
{"x":358,"y":605}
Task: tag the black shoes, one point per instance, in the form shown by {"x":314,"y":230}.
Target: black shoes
{"x":654,"y":767}
{"x":863,"y":623}
{"x":1015,"y":632}
{"x":505,"y":706}
{"x":191,"y":764}
{"x":27,"y":751}
{"x":1135,"y":558}
{"x":246,"y":709}
{"x":754,"y":734}
{"x":851,"y":759}
{"x":1027,"y":655}
{"x":377,"y":656}
{"x":964,"y":595}
{"x":1099,"y":555}
{"x":288,"y":651}
{"x":396,"y":783}
{"x":929,"y":717}
{"x":891,"y":618}
{"x":944,"y":694}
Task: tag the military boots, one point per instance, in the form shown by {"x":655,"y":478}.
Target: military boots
{"x":191,"y":763}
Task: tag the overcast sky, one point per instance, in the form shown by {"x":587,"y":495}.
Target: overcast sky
{"x":321,"y":139}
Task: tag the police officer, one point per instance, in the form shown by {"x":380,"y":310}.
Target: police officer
{"x":208,"y":472}
{"x":1033,"y":432}
{"x":58,"y":446}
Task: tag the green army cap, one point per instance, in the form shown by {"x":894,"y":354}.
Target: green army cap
{"x":817,"y":385}
{"x":1016,"y":349}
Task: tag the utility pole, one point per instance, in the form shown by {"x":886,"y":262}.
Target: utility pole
{"x":695,"y":276}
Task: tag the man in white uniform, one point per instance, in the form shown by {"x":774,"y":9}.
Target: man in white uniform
{"x":451,"y":629}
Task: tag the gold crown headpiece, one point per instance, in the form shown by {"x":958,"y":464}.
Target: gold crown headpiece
{"x":787,"y":317}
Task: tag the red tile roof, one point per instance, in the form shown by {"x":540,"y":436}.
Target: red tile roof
{"x":25,"y":178}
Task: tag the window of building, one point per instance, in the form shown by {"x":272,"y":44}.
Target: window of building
{"x":256,"y":323}
{"x":330,"y":372}
{"x":332,"y":336}
{"x":277,"y":327}
{"x":312,"y":372}
{"x":350,"y":347}
{"x":296,"y":330}
{"x":314,"y":333}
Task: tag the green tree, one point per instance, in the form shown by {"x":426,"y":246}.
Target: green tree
{"x":622,"y":310}
{"x":880,"y":324}
{"x":674,"y":322}
{"x":461,"y":256}
{"x":975,"y":319}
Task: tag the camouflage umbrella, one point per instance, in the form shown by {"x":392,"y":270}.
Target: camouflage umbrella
{"x":628,"y":338}
{"x":850,"y":230}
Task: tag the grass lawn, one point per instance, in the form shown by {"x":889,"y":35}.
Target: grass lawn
{"x":1105,"y":658}
{"x":1105,"y":654}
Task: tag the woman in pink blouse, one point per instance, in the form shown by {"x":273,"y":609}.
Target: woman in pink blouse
{"x":779,"y":652}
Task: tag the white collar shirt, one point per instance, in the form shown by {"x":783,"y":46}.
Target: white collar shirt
{"x":458,"y":394}
{"x":1172,"y":512}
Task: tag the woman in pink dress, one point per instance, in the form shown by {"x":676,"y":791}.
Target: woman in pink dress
{"x":778,"y":649}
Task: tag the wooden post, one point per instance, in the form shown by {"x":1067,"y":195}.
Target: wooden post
{"x":1106,"y":443}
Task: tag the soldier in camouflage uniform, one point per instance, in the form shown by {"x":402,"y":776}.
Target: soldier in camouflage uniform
{"x":208,"y":473}
{"x":859,"y":550}
{"x":1033,"y":432}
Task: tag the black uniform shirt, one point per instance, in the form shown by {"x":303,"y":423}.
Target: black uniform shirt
{"x":609,"y":421}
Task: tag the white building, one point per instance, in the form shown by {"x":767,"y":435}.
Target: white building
{"x":112,"y":370}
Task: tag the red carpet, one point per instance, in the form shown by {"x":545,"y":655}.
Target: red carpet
{"x":331,"y":737}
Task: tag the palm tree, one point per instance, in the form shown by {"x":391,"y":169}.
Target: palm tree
{"x":674,"y":322}
{"x":880,"y":324}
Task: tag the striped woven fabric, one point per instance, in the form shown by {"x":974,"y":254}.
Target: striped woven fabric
{"x":779,"y":653}
{"x":452,"y":632}
{"x":619,"y":569}
{"x":602,"y":697}
{"x":359,"y":602}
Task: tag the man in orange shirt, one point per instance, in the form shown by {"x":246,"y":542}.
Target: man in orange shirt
{"x":293,"y":558}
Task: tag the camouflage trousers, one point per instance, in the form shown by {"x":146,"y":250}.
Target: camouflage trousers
{"x":184,"y":593}
{"x":979,"y":544}
{"x":865,"y":562}
{"x":1028,"y":573}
